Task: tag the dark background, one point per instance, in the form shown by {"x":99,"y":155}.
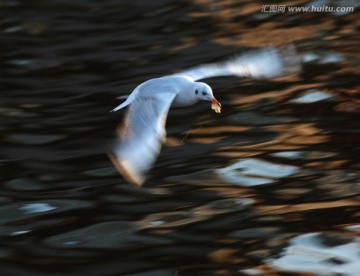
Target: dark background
{"x":269,"y":186}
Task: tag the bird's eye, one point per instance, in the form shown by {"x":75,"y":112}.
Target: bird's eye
{"x":204,"y":93}
{"x":196,"y":91}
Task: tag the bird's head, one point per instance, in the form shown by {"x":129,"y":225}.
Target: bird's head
{"x":203,"y":92}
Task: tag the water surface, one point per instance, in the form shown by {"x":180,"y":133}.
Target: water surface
{"x":268,"y":187}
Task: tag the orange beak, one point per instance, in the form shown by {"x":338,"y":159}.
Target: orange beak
{"x":215,"y":101}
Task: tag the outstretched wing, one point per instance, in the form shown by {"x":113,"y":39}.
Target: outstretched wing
{"x":140,"y":137}
{"x":265,"y":63}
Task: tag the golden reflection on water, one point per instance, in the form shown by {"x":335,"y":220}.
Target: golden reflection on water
{"x":246,"y":32}
{"x":290,"y":137}
{"x":275,"y":96}
{"x":282,"y":209}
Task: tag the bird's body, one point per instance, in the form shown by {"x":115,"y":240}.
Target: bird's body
{"x":143,"y":131}
{"x":173,"y":83}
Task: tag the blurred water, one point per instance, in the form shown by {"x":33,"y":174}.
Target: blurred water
{"x":268,"y":187}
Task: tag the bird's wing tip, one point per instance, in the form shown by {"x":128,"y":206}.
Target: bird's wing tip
{"x":114,"y":109}
{"x":127,"y":172}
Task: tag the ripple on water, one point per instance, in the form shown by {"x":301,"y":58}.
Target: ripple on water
{"x":19,"y":219}
{"x":24,"y":210}
{"x":306,"y":155}
{"x":36,"y":139}
{"x":261,"y":232}
{"x":312,"y":96}
{"x":322,"y":57}
{"x":24,"y":184}
{"x":38,"y":207}
{"x":201,"y":213}
{"x":320,"y":253}
{"x":111,"y":234}
{"x":256,"y":119}
{"x":252,"y":172}
{"x":355,"y":228}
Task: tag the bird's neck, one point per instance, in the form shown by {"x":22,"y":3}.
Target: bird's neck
{"x":184,"y":99}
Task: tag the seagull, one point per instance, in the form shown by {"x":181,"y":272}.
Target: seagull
{"x":142,"y":133}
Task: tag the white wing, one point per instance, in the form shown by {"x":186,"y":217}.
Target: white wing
{"x":141,"y":136}
{"x":265,"y":63}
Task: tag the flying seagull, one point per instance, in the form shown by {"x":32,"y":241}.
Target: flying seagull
{"x":141,"y":135}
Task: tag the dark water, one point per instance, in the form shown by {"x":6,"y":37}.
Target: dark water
{"x":268,"y":187}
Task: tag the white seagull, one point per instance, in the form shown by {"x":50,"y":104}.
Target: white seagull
{"x":142,"y":133}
